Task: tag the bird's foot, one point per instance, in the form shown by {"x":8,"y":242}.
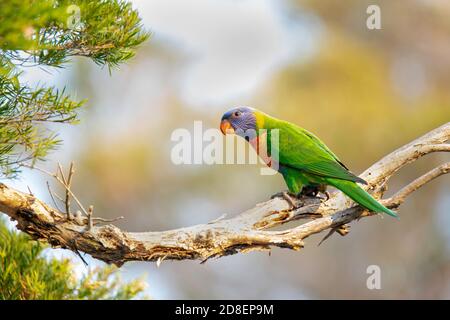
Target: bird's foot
{"x":291,"y":199}
{"x":314,"y":191}
{"x":326,"y":194}
{"x":309,"y":191}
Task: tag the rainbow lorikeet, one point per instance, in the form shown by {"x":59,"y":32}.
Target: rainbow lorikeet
{"x":307,"y":165}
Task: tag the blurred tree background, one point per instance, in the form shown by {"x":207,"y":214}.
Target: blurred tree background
{"x":364,"y":92}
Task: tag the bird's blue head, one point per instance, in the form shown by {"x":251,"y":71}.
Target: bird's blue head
{"x":239,"y":119}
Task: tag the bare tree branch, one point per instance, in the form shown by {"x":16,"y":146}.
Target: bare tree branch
{"x":398,"y":198}
{"x":244,"y":232}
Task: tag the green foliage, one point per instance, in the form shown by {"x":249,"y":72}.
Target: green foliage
{"x":26,"y":274}
{"x":48,"y":33}
{"x":21,"y":109}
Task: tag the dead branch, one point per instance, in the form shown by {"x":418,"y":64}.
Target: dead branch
{"x":401,"y":195}
{"x":244,"y":232}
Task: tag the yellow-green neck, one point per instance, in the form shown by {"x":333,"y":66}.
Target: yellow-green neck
{"x":264,"y":121}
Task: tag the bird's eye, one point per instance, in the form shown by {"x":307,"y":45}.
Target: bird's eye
{"x":237,"y":113}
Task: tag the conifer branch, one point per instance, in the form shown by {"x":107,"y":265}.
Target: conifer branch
{"x":48,"y":33}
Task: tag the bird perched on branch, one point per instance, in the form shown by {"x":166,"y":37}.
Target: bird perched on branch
{"x":307,"y":165}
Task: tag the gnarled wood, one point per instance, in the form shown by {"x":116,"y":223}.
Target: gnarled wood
{"x":244,"y":232}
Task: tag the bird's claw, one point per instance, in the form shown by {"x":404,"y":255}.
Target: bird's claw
{"x":286,"y":196}
{"x":314,"y":191}
{"x":295,"y":201}
{"x":326,"y":198}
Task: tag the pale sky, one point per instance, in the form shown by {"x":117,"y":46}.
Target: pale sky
{"x":232,"y":46}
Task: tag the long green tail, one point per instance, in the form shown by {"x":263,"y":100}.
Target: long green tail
{"x":359,"y":195}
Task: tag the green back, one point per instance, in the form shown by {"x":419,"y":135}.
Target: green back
{"x":301,"y":150}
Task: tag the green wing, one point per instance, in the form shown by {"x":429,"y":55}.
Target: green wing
{"x":302,"y":150}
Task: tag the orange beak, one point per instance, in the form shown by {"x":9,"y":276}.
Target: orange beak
{"x":225,"y":127}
